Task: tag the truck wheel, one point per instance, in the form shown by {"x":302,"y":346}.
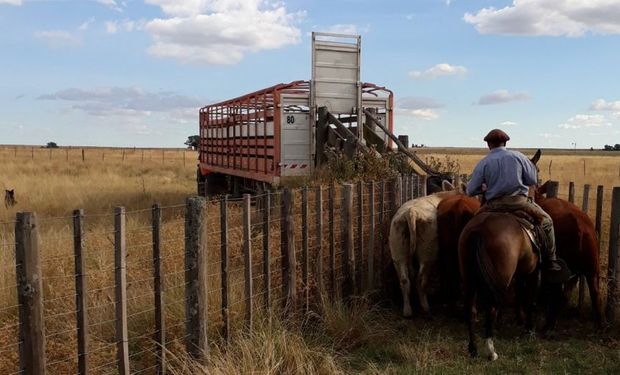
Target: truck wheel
{"x":216,"y":184}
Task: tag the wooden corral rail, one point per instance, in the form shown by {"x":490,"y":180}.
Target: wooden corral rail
{"x":279,"y":252}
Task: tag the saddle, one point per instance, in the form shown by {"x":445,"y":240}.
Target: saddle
{"x":530,"y":221}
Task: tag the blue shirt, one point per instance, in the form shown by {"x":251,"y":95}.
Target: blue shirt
{"x":505,"y":173}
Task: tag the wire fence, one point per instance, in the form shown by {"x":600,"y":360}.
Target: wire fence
{"x":157,"y":282}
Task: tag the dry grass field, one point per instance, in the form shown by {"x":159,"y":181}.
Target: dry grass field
{"x":362,"y":339}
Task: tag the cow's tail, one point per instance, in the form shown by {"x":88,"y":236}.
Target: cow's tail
{"x":412,"y":232}
{"x":482,"y":271}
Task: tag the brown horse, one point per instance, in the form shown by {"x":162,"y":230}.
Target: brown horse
{"x":495,"y":252}
{"x":577,"y":243}
{"x":452,"y":214}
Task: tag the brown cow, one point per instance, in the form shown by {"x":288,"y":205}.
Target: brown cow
{"x":577,"y":244}
{"x":452,"y":214}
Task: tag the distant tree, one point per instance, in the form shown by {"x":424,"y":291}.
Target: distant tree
{"x":617,"y":147}
{"x":51,"y":145}
{"x":192,"y":142}
{"x":608,"y":148}
{"x":591,"y":148}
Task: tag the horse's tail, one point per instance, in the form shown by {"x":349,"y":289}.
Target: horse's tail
{"x":483,"y":272}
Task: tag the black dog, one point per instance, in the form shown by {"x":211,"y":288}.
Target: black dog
{"x":9,"y":198}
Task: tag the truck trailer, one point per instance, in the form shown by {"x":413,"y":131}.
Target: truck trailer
{"x":259,"y":140}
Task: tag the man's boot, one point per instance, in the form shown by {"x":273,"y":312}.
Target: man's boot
{"x":551,"y":268}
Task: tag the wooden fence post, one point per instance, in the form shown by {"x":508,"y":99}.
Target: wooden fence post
{"x":349,"y":287}
{"x":80,"y":292}
{"x":582,"y":279}
{"x":30,"y":295}
{"x":247,"y":257}
{"x":267,"y":252}
{"x":599,"y":210}
{"x":305,"y":265}
{"x":359,"y":249}
{"x":196,"y":277}
{"x":160,"y":323}
{"x":552,"y":189}
{"x":397,"y":193}
{"x":332,"y":251}
{"x":613,"y":268}
{"x":83,"y":155}
{"x":289,"y":271}
{"x":371,"y":236}
{"x":423,"y":190}
{"x":319,"y":241}
{"x":120,"y":264}
{"x":224,"y":261}
{"x":381,"y":229}
{"x":571,"y":192}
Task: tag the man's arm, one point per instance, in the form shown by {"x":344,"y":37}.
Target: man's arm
{"x":474,"y":186}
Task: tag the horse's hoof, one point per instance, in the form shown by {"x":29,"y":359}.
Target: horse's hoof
{"x":493,"y":357}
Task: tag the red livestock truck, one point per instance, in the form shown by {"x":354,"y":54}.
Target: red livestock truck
{"x":258,"y":140}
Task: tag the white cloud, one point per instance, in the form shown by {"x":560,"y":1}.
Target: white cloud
{"x":220,"y":31}
{"x":58,"y":38}
{"x":603,"y":105}
{"x":508,"y":123}
{"x":571,"y":18}
{"x":125,"y":101}
{"x":439,"y":70}
{"x":112,"y":4}
{"x":420,"y":107}
{"x":502,"y":96}
{"x":12,"y":2}
{"x":343,"y":29}
{"x":112,"y":27}
{"x":86,"y":24}
{"x":585,"y":121}
{"x":548,"y":135}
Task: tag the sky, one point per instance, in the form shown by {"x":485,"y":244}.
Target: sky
{"x":135,"y":72}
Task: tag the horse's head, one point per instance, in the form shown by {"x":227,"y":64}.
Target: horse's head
{"x":534,"y":161}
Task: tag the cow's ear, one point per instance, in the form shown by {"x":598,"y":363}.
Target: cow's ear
{"x":536,"y":157}
{"x":446,"y":186}
{"x":542,"y":189}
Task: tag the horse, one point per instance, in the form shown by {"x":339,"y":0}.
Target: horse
{"x":9,"y":198}
{"x":495,"y":252}
{"x":452,"y":214}
{"x":577,"y":244}
{"x":413,"y":239}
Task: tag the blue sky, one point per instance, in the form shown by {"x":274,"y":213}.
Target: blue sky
{"x":135,"y":72}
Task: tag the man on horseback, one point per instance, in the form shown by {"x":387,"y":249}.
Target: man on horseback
{"x":504,"y":177}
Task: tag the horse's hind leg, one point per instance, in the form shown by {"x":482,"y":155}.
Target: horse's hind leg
{"x":491,"y":316}
{"x":531,"y":283}
{"x":405,"y":286}
{"x":471,"y":323}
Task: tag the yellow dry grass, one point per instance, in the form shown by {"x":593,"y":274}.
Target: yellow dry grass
{"x":53,"y":184}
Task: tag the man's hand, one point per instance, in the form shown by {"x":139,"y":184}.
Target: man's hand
{"x":484,"y":187}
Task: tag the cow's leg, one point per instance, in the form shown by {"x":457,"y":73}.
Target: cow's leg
{"x":569,"y":287}
{"x":491,"y":316}
{"x":422,"y":284}
{"x":595,"y":298}
{"x":405,"y":286}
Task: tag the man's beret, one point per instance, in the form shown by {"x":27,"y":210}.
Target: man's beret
{"x":497,"y":136}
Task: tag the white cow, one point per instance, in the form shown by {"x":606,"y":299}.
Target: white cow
{"x":413,"y":239}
